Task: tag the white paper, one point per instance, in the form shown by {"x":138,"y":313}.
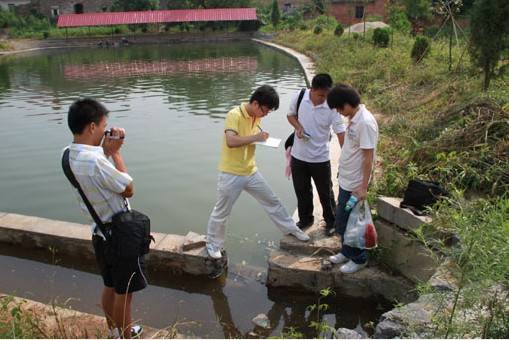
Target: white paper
{"x":270,"y":142}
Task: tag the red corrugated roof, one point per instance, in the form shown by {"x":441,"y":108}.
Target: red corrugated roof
{"x":152,"y":17}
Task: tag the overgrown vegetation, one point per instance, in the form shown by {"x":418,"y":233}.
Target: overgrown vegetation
{"x":438,"y":125}
{"x":479,"y":306}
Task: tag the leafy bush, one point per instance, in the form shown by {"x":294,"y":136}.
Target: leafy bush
{"x":421,"y":49}
{"x":326,"y":22}
{"x":398,"y":20}
{"x":339,"y":30}
{"x":303,"y":27}
{"x":356,"y":36}
{"x":381,"y":37}
{"x":318,"y":29}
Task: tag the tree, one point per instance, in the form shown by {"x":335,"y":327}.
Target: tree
{"x":488,"y":37}
{"x":418,"y":9}
{"x":135,"y":5}
{"x":319,"y":6}
{"x":275,"y":14}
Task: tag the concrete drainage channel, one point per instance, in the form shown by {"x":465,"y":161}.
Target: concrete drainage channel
{"x":295,"y":265}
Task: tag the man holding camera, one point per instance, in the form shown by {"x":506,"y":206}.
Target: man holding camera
{"x":106,"y":185}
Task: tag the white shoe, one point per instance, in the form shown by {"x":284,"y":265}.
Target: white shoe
{"x":136,"y":331}
{"x":338,"y":258}
{"x":300,"y":235}
{"x":214,"y":251}
{"x":351,"y":267}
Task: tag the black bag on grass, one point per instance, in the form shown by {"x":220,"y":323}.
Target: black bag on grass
{"x":421,"y":194}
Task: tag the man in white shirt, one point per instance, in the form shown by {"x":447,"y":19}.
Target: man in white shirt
{"x":355,"y":166}
{"x":313,"y":121}
{"x":107,"y":187}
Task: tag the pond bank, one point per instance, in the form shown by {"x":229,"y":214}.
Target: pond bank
{"x":32,"y":45}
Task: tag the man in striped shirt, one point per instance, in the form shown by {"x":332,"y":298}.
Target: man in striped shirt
{"x":107,"y":186}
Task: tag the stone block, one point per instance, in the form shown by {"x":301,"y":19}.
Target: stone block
{"x":74,"y":241}
{"x":404,"y":254}
{"x":193,"y":240}
{"x":320,"y":243}
{"x":305,"y":273}
{"x":388,"y":208}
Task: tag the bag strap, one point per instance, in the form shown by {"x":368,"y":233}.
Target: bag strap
{"x":70,"y":176}
{"x":299,"y":100}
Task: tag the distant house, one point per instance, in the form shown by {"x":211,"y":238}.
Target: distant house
{"x":10,"y":5}
{"x":350,"y":12}
{"x":53,"y":8}
{"x":347,"y":12}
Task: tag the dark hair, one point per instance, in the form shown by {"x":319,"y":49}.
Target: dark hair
{"x":267,"y":96}
{"x":343,"y":94}
{"x":321,"y":81}
{"x":83,"y":112}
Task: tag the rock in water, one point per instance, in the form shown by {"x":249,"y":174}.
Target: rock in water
{"x":345,"y":333}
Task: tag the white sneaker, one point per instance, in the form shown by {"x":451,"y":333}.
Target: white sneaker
{"x":300,"y":235}
{"x":214,"y":251}
{"x":136,"y":331}
{"x":338,"y":258}
{"x":351,"y":267}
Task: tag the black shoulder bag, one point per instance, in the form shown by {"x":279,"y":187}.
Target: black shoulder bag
{"x":421,"y":194}
{"x":129,"y":231}
{"x":289,"y":140}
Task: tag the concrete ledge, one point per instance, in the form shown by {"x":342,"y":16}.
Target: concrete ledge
{"x":320,"y":243}
{"x":404,"y":254}
{"x":388,"y":208}
{"x":306,"y":63}
{"x":74,"y":240}
{"x":305,"y":272}
{"x":54,"y":321}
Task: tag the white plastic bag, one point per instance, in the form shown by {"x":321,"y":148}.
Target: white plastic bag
{"x":360,"y":231}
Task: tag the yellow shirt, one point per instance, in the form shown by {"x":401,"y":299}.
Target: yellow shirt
{"x":239,"y":161}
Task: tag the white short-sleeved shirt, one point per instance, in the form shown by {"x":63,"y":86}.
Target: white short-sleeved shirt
{"x":362,"y":133}
{"x":317,"y":122}
{"x":101,"y":182}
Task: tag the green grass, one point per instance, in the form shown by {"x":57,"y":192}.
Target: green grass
{"x":429,"y":117}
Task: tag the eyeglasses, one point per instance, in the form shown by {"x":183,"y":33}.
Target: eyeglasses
{"x":265,"y":110}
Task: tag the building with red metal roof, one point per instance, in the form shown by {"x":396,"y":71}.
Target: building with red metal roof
{"x":159,"y":16}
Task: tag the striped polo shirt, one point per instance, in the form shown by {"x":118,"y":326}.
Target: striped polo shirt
{"x":101,"y":182}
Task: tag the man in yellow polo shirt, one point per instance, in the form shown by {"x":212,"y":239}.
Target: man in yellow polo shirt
{"x":238,"y":170}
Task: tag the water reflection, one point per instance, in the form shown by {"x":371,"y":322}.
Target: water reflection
{"x":139,"y":68}
{"x":285,"y":310}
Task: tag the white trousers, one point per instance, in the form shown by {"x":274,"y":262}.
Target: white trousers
{"x":229,"y":188}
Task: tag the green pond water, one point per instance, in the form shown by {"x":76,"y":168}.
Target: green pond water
{"x":172,"y":100}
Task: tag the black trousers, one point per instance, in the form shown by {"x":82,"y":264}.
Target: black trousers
{"x":302,"y":173}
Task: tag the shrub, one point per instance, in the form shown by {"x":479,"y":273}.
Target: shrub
{"x":381,"y":37}
{"x":275,"y":15}
{"x":326,"y":22}
{"x":318,"y":29}
{"x":45,"y":34}
{"x":399,"y":21}
{"x":356,"y":36}
{"x":117,"y":30}
{"x":339,"y":30}
{"x":421,"y":49}
{"x":303,"y":27}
